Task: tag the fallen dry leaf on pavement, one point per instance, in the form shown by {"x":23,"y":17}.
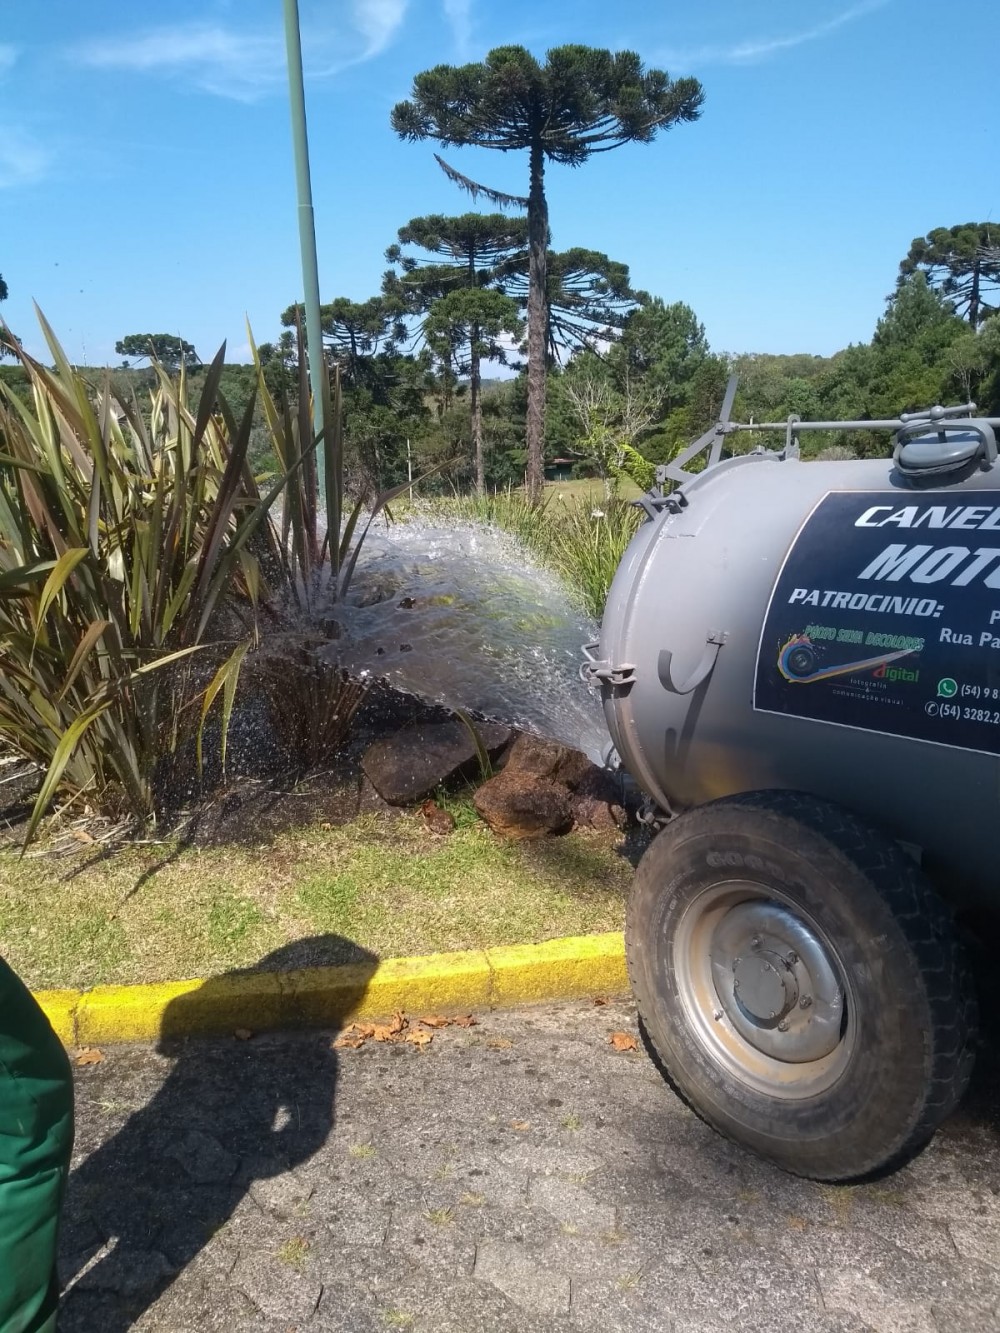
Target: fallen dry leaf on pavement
{"x":418,"y":1037}
{"x":348,"y":1041}
{"x":436,"y":1021}
{"x":520,"y":1125}
{"x":399,"y":1022}
{"x":499,"y":1044}
{"x":600,"y":999}
{"x":89,"y":1056}
{"x":623,"y":1041}
{"x":242,"y":1034}
{"x":466,"y":1021}
{"x":353,"y":1038}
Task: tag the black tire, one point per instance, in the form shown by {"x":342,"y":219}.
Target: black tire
{"x":902,"y":1054}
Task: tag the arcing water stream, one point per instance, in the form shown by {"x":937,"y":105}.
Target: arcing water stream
{"x":461,"y":615}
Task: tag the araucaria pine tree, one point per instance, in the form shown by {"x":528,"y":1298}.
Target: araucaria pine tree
{"x":580,"y":101}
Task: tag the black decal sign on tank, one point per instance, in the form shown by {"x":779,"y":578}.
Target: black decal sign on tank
{"x":886,"y":616}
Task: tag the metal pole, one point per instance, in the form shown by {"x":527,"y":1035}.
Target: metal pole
{"x":307,"y":232}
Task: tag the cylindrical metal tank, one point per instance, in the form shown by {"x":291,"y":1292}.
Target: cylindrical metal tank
{"x":828,"y":627}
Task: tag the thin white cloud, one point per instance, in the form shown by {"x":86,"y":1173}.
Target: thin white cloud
{"x":378,"y":22}
{"x":753,"y":50}
{"x":214,"y":58}
{"x":241,"y":63}
{"x":459,"y":16}
{"x":23,"y":159}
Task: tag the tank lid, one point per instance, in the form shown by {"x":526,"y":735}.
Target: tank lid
{"x":943,"y":450}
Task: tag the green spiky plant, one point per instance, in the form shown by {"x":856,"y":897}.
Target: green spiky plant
{"x":135,"y":550}
{"x":129,"y":541}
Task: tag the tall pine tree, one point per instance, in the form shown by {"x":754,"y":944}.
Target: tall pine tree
{"x":580,"y":101}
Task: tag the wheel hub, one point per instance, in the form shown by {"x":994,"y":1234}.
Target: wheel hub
{"x":765,"y":987}
{"x":776,"y":983}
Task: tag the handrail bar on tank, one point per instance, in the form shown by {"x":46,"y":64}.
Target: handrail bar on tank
{"x":944,"y":418}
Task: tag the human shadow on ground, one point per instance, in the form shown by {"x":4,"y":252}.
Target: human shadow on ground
{"x":227,"y":1113}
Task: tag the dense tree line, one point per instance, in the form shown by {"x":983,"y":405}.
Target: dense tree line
{"x":638,"y":382}
{"x":606,"y":375}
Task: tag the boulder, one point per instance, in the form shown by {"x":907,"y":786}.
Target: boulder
{"x":408,"y":766}
{"x":519,"y":806}
{"x":535,"y":757}
{"x":545,"y":787}
{"x":597,"y":800}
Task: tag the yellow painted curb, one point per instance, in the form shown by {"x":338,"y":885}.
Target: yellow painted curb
{"x":559,"y":969}
{"x":328,"y":996}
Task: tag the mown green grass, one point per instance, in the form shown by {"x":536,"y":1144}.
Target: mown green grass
{"x":384,"y":882}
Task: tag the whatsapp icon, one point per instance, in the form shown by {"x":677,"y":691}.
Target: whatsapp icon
{"x":947,"y":688}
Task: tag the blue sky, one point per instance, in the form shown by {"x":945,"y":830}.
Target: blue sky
{"x":146,"y":178}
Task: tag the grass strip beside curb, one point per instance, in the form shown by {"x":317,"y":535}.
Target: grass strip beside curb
{"x":561,"y":969}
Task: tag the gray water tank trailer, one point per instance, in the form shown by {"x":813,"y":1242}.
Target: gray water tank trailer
{"x":799,"y":665}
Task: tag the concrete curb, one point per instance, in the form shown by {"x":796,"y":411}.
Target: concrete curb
{"x":561,"y":969}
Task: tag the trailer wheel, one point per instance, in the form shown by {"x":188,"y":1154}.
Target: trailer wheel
{"x":800,"y":982}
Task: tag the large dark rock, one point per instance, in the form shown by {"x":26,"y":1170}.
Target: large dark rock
{"x":522,"y":806}
{"x":409,"y":765}
{"x":546,"y":787}
{"x":536,"y":757}
{"x":598,"y":800}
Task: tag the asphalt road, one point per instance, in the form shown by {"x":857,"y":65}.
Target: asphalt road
{"x":517,"y":1176}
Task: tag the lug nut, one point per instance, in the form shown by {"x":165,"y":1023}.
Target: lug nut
{"x":717,"y":1015}
{"x":756,"y":942}
{"x":805,"y":1002}
{"x":791,"y":958}
{"x":783,"y":1025}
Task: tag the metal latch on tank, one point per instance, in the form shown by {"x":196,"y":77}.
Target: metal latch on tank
{"x":597,"y":670}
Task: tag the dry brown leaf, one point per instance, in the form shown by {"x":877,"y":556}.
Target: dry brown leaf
{"x":499,"y":1044}
{"x":623,"y":1041}
{"x":82,"y":835}
{"x":399,"y":1022}
{"x":600,"y":999}
{"x":419,"y":1038}
{"x":465,"y":1021}
{"x":383,"y":1032}
{"x":242,"y":1034}
{"x":89,"y":1056}
{"x":347,"y":1041}
{"x":436,"y":1021}
{"x":353,"y":1037}
{"x":520,"y":1125}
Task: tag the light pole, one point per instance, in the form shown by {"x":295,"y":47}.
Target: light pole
{"x":307,"y":236}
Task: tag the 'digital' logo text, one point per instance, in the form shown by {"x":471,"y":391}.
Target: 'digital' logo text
{"x":885,"y":672}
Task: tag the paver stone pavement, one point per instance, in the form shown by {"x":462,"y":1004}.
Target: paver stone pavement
{"x":518,"y":1176}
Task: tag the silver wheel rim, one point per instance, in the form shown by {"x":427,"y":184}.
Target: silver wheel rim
{"x":763,"y":990}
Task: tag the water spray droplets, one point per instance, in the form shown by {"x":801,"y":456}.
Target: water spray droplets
{"x":463,"y":616}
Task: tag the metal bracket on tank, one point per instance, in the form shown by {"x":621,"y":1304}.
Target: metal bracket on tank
{"x":599,"y":670}
{"x":702,"y":671}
